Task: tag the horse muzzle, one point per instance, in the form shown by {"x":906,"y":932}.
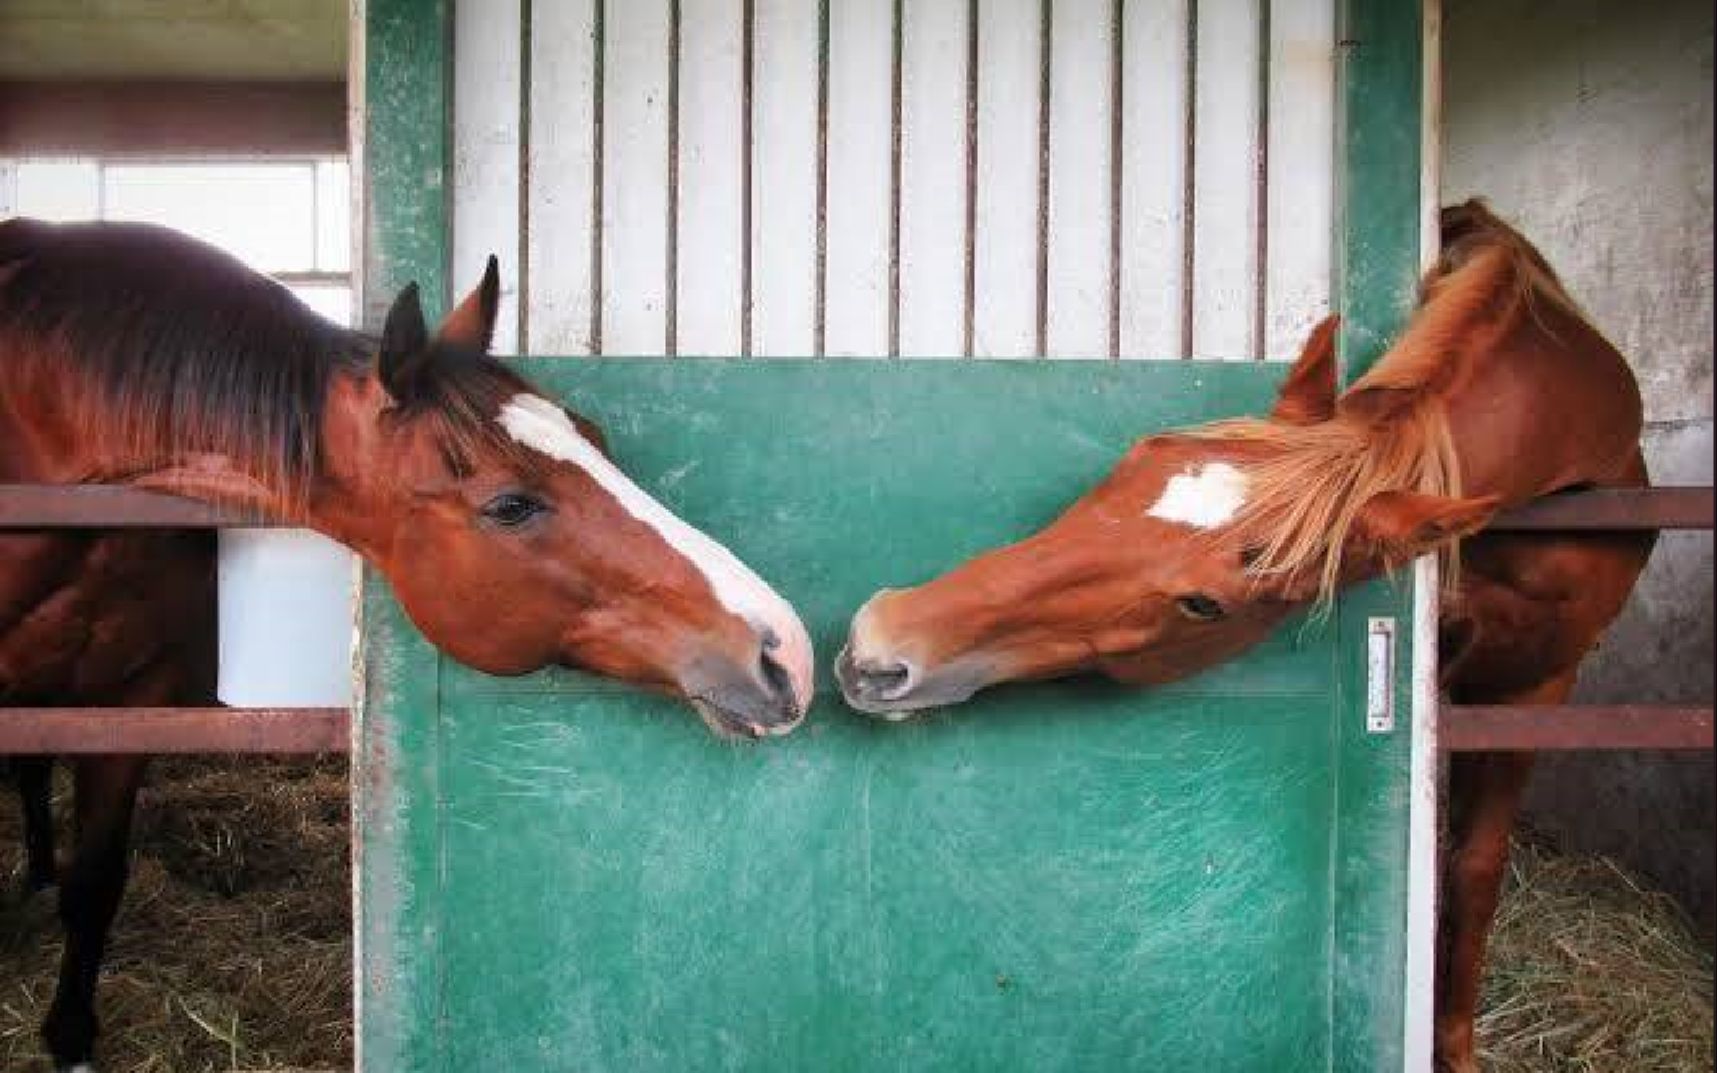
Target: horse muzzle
{"x":764,"y":694}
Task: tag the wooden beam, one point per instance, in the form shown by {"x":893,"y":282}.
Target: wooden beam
{"x":91,"y":506}
{"x":172,"y":118}
{"x":1613,"y":509}
{"x":67,"y":731}
{"x":1525,"y":728}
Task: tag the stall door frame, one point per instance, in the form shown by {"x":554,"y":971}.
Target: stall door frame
{"x":1386,"y":150}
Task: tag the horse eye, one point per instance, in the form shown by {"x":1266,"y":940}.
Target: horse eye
{"x":513,"y":508}
{"x":1199,"y":607}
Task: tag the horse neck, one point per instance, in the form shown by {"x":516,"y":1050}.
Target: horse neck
{"x":1551,"y":405}
{"x":350,"y":500}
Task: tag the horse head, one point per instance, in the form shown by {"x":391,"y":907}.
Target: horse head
{"x":1191,"y":550}
{"x":514,"y":542}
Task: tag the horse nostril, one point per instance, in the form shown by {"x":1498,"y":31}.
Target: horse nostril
{"x":886,"y":682}
{"x":774,"y":675}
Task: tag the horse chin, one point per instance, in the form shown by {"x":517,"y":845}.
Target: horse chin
{"x":905,"y":709}
{"x":729,"y":726}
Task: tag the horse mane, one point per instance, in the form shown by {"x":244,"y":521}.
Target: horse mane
{"x":1390,"y":430}
{"x":180,"y":350}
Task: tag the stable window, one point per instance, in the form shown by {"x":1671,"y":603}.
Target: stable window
{"x":289,"y":218}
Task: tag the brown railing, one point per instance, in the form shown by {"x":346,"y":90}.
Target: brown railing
{"x":150,"y":730}
{"x":1478,"y":728}
{"x":284,"y":730}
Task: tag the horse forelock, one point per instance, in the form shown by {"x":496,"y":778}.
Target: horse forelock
{"x":459,"y":399}
{"x":1307,"y":485}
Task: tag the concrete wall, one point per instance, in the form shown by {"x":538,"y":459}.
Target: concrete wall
{"x":1589,"y":124}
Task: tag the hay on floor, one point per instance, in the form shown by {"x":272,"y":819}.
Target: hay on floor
{"x":1590,"y":971}
{"x":232,"y":948}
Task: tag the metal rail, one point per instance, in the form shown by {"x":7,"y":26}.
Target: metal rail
{"x":1529,"y":728}
{"x":286,"y":730}
{"x":65,"y":731}
{"x":98,"y":506}
{"x":1612,"y":509}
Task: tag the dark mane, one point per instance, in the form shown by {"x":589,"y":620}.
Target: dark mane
{"x":181,"y":350}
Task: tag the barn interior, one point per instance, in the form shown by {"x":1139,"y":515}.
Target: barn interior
{"x":1588,"y":124}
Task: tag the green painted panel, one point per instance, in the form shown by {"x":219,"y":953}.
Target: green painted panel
{"x":558,"y":873}
{"x":397,"y":742}
{"x":408,"y":98}
{"x":1064,"y":876}
{"x":1380,"y":75}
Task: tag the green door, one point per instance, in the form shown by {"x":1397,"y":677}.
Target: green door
{"x":559,"y":873}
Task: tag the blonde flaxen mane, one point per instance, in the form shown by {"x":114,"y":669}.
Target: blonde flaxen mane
{"x":1390,"y":430}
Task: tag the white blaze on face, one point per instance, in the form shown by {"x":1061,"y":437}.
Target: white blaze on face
{"x":1204,"y":497}
{"x":544,"y":427}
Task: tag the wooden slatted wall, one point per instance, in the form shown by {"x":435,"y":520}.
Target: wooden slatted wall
{"x":924,"y":178}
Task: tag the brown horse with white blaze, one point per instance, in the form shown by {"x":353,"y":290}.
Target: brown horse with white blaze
{"x":133,"y":355}
{"x":1202,"y":540}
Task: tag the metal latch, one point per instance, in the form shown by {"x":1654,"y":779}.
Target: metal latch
{"x":1380,"y":676}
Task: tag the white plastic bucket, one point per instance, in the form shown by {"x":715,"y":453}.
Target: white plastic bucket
{"x":285,"y":619}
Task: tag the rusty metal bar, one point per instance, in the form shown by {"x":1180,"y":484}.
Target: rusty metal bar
{"x":67,"y":731}
{"x":39,"y":506}
{"x":94,"y":506}
{"x":1527,"y":728}
{"x":1613,"y":509}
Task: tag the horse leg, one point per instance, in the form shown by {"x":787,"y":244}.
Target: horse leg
{"x":35,"y":786}
{"x":90,"y":889}
{"x":1484,"y":799}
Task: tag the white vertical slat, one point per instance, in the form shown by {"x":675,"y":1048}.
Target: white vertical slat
{"x":712,"y":154}
{"x":1005,"y":246}
{"x":1225,"y":180}
{"x":560,"y":177}
{"x":486,"y":153}
{"x":1423,"y":822}
{"x":933,"y":179}
{"x":860,"y":126}
{"x":635,"y":177}
{"x":1153,"y":178}
{"x":784,"y":178}
{"x":1079,"y":189}
{"x":1301,"y":179}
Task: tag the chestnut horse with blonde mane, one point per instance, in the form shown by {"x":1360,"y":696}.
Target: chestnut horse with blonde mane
{"x":1202,"y":540}
{"x":133,"y":355}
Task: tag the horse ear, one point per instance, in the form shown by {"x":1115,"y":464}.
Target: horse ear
{"x":1308,"y":394}
{"x":405,"y":345}
{"x":1396,"y":527}
{"x":472,"y":323}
